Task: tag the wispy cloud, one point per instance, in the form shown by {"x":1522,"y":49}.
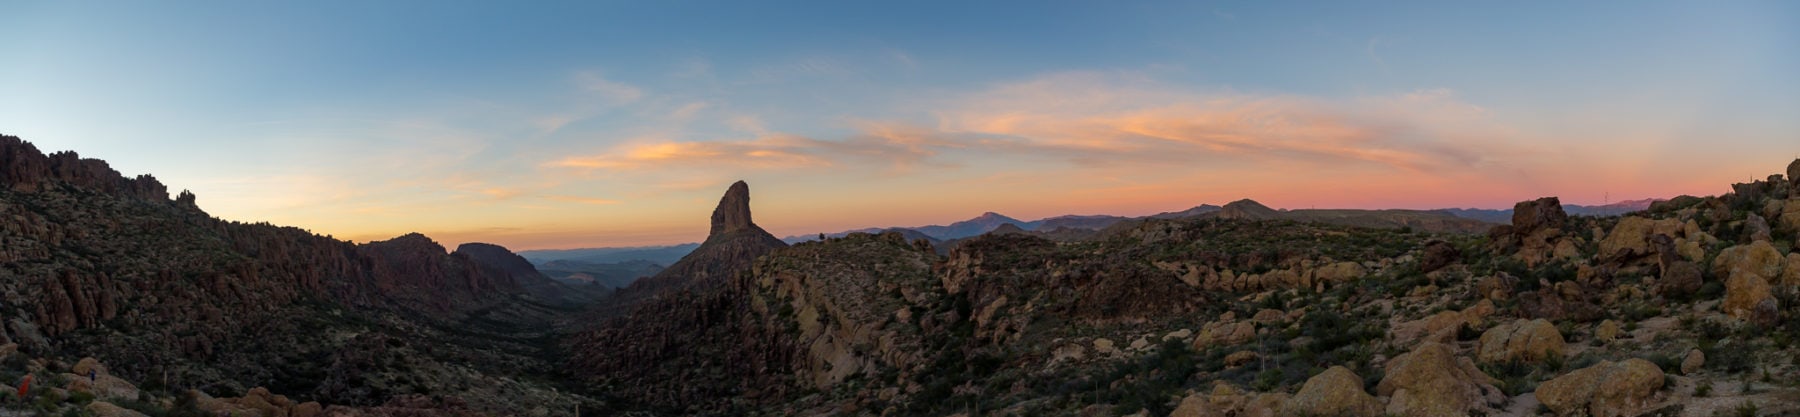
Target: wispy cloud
{"x":1099,"y":119}
{"x":613,"y":91}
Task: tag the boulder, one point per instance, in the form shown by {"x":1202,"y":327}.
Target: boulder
{"x":1757,"y":228}
{"x":1692,"y":363}
{"x":1607,"y":330}
{"x":1239,"y":358}
{"x":88,"y":364}
{"x":1790,"y":276}
{"x":1438,"y":254}
{"x":1542,"y":213}
{"x":1758,"y":258}
{"x":106,"y":409}
{"x":1224,"y":334}
{"x":1431,"y":381}
{"x":1442,"y":327}
{"x":1521,"y":340}
{"x":1335,"y":392}
{"x":102,"y":386}
{"x":1793,"y":172}
{"x":1105,"y":346}
{"x":1339,"y":272}
{"x":1607,"y":389}
{"x":1195,"y":405}
{"x":1631,"y":237}
{"x":1680,"y":278}
{"x":1747,"y":297}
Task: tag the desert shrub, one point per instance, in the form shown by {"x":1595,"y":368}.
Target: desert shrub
{"x":1729,"y":357}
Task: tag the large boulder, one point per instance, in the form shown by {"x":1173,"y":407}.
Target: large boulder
{"x":1442,"y":327}
{"x":1758,"y":258}
{"x":1438,"y":254}
{"x":1793,"y":172}
{"x":1224,"y":334}
{"x":1542,"y":213}
{"x":1680,"y":278}
{"x":1521,"y":340}
{"x":1790,"y":276}
{"x":106,"y":409}
{"x":1339,"y":272}
{"x":1757,"y":228}
{"x":1631,"y":237}
{"x":1335,"y":392}
{"x":1747,"y":297}
{"x":1432,"y":381}
{"x":1607,"y":389}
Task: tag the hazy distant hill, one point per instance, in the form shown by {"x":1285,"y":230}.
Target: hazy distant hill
{"x":611,"y":275}
{"x":661,"y":255}
{"x":1505,"y":215}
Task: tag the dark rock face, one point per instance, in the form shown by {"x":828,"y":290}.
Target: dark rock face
{"x":735,"y":242}
{"x":733,"y":213}
{"x":1438,"y":254}
{"x":23,"y":168}
{"x":1530,"y":216}
{"x":101,"y":263}
{"x":1793,"y":173}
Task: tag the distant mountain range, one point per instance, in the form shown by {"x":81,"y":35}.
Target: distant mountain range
{"x":618,"y":259}
{"x":1505,"y":215}
{"x":660,"y":255}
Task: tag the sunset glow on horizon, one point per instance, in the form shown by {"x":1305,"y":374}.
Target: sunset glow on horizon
{"x":590,"y":125}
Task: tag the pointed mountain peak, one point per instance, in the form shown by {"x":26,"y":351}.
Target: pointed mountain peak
{"x":733,"y":213}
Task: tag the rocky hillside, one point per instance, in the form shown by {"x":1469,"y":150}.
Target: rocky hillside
{"x":96,"y":264}
{"x":118,"y":300}
{"x":1686,"y":309}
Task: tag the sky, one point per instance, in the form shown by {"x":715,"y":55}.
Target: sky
{"x":585,"y":124}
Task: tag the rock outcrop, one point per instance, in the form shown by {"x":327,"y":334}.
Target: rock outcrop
{"x":1335,"y":392}
{"x":1432,"y":381}
{"x":1608,"y":389}
{"x":1521,"y":340}
{"x":733,"y":244}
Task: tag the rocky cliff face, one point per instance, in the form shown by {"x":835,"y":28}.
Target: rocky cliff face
{"x":734,"y":243}
{"x":97,"y":264}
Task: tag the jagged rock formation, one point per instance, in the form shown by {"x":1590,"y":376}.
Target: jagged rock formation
{"x":95,"y":264}
{"x":735,"y":241}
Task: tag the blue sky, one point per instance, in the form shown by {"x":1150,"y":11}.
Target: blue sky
{"x":597,"y":123}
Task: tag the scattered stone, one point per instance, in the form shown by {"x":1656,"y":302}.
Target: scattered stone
{"x":1692,"y":363}
{"x":1182,"y":334}
{"x":1607,"y":330}
{"x":1335,"y":392}
{"x":1105,"y":347}
{"x":1606,"y":389}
